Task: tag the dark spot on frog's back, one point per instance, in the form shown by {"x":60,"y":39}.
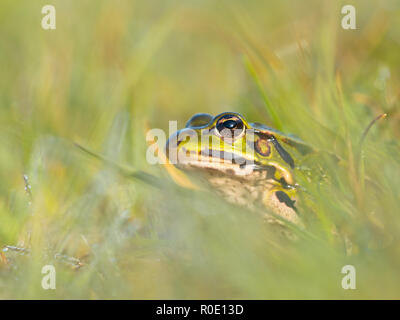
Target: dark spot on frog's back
{"x":282,"y":152}
{"x":284,"y":198}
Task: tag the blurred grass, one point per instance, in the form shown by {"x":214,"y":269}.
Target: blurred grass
{"x":112,"y":69}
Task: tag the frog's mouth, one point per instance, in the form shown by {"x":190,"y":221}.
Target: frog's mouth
{"x":223,"y":161}
{"x":179,"y":151}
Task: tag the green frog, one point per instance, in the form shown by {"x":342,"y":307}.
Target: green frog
{"x":250,"y":164}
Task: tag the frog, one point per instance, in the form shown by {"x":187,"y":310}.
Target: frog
{"x":249,"y":164}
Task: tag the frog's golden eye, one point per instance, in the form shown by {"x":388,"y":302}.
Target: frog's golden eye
{"x":199,"y":120}
{"x":230,"y":126}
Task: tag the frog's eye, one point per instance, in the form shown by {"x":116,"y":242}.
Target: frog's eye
{"x":199,"y":120}
{"x":230,"y":126}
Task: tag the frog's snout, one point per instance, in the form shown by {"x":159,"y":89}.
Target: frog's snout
{"x":176,"y":139}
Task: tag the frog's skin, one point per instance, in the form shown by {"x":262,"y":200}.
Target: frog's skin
{"x":259,"y":164}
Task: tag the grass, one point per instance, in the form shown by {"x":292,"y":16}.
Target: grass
{"x":111,"y":70}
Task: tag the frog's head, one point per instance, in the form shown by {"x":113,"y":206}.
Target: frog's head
{"x":245,"y":161}
{"x":230,"y":144}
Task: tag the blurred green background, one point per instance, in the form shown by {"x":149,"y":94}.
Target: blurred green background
{"x":113,"y":69}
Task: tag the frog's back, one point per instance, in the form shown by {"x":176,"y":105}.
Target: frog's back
{"x":289,"y":139}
